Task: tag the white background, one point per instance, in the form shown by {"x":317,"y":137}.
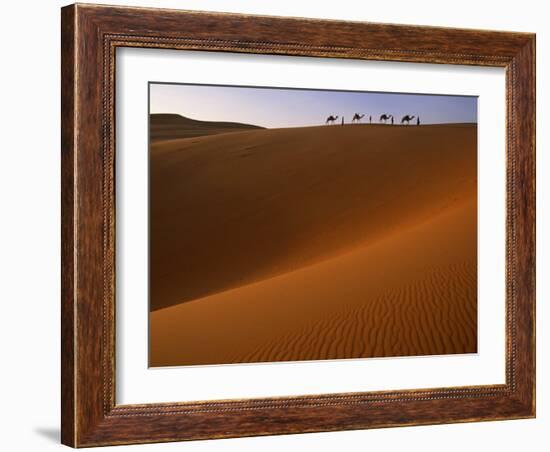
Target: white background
{"x":29,"y":230}
{"x":138,"y":384}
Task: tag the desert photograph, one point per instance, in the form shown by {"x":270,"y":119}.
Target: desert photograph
{"x":297,"y":225}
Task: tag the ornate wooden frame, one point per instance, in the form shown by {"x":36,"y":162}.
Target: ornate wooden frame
{"x":90,"y":35}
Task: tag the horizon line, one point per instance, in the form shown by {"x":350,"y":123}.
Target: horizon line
{"x":373,"y":123}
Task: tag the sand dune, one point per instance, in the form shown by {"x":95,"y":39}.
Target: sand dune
{"x":228,"y":210}
{"x":314,"y":243}
{"x":410,"y":293}
{"x":165,"y":126}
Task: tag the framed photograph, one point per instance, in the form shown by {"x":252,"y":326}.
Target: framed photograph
{"x":281,"y":225}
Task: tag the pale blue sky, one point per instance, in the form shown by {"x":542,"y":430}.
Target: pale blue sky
{"x":281,"y":107}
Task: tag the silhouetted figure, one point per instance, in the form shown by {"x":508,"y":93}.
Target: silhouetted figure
{"x":331,"y":119}
{"x":357,"y":117}
{"x":384,"y":118}
{"x":342,"y":120}
{"x":407,"y":119}
{"x":418,"y":121}
{"x":370,"y":119}
{"x":392,"y":120}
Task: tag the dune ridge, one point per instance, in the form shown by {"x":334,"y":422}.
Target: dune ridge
{"x":228,"y":210}
{"x":313,"y":243}
{"x":413,"y":292}
{"x":167,"y":126}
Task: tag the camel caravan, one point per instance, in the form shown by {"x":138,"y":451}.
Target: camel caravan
{"x":384,"y":118}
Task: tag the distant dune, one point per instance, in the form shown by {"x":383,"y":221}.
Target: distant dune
{"x":165,"y":126}
{"x":313,"y":243}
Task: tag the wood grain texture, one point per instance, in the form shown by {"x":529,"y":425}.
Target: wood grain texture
{"x":90,"y":36}
{"x":67,"y":226}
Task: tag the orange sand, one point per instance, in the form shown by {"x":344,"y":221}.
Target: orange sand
{"x":313,"y":243}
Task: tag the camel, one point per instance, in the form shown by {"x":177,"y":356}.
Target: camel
{"x":384,"y":118}
{"x":407,"y":119}
{"x":331,"y":119}
{"x":357,"y":117}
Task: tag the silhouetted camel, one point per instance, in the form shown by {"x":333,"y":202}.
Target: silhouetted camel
{"x":357,"y":117}
{"x":407,"y":119}
{"x":331,"y":119}
{"x":384,"y":118}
